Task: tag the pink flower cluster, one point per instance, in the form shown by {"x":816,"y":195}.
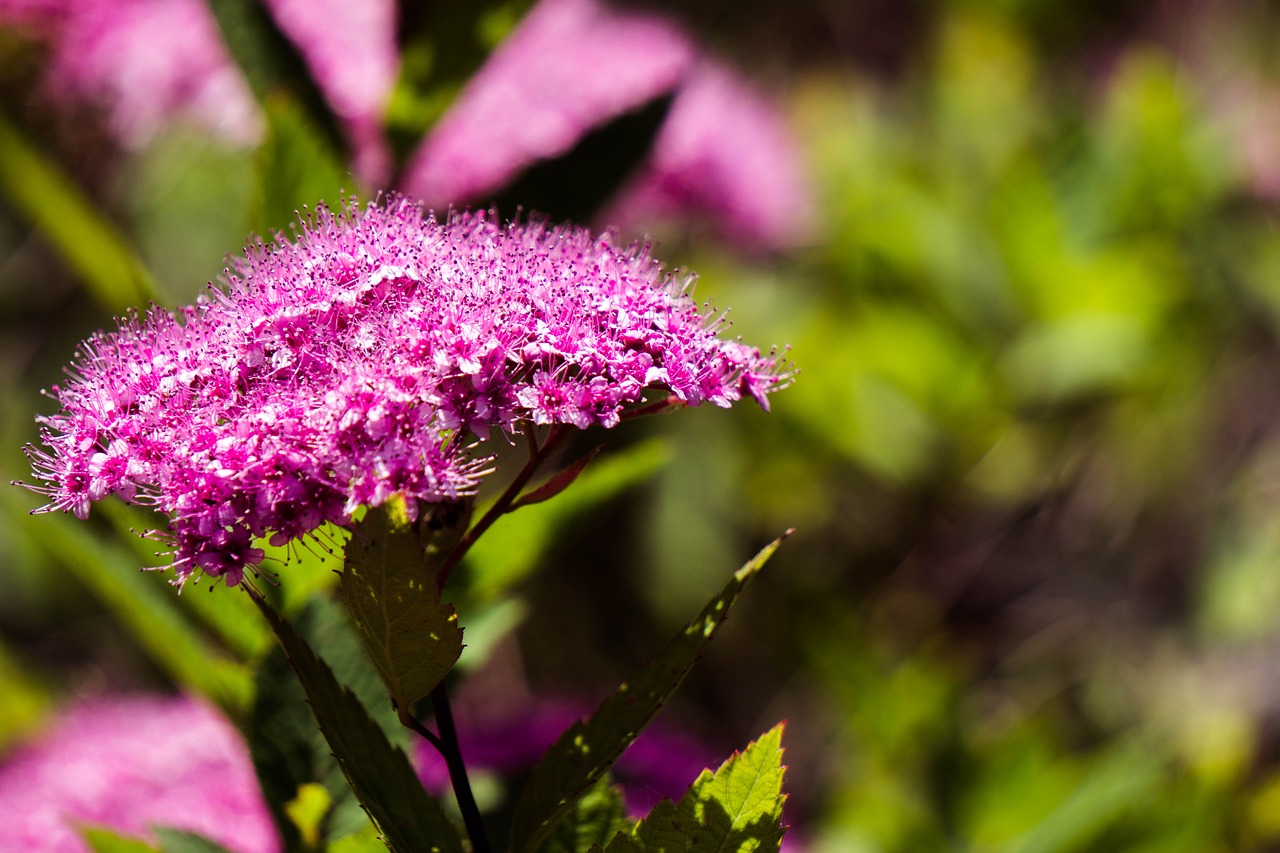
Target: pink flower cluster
{"x":126,"y":764}
{"x":366,"y":359}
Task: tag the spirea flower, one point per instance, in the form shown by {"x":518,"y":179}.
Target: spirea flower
{"x":128,"y":763}
{"x":369,"y":358}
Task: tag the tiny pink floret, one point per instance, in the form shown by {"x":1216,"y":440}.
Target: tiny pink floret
{"x":369,"y":358}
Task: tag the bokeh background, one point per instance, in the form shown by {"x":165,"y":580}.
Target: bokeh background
{"x":1025,"y":256}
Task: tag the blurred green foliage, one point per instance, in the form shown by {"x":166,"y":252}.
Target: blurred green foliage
{"x":1031,"y":452}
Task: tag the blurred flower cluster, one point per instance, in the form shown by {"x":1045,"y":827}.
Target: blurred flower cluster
{"x":723,"y":154}
{"x":127,"y":764}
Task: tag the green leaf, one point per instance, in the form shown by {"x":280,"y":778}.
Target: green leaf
{"x":224,"y":610}
{"x":408,"y":817}
{"x":487,"y":627}
{"x":1123,"y":783}
{"x":389,"y":587}
{"x":288,"y":751}
{"x":361,"y":843}
{"x":594,"y":820}
{"x":441,"y":47}
{"x":181,"y":841}
{"x":738,"y":808}
{"x":307,"y":812}
{"x":105,"y":841}
{"x":37,"y":187}
{"x":590,"y":747}
{"x":24,"y":703}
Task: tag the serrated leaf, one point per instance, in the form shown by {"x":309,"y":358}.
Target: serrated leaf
{"x":105,"y":841}
{"x":181,"y":841}
{"x":738,"y":808}
{"x":288,"y":751}
{"x":409,"y":818}
{"x":649,"y":834}
{"x":621,"y":843}
{"x":557,"y":483}
{"x":590,"y":747}
{"x":594,"y":820}
{"x":389,"y":587}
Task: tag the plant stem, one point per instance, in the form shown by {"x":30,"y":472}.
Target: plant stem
{"x":537,"y":455}
{"x":447,"y":743}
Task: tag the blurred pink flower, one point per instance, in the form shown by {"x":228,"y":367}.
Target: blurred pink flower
{"x":351,"y":49}
{"x":511,"y":740}
{"x":128,"y":763}
{"x":149,"y":62}
{"x":570,"y":65}
{"x":573,"y":65}
{"x":725,"y":154}
{"x":33,"y":14}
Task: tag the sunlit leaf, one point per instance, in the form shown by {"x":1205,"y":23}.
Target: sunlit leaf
{"x":105,"y":841}
{"x":510,"y":549}
{"x":738,"y":808}
{"x":389,"y":586}
{"x":181,"y":841}
{"x":557,"y":484}
{"x":585,"y":752}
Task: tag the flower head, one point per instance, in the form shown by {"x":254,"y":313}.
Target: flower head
{"x":368,"y":358}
